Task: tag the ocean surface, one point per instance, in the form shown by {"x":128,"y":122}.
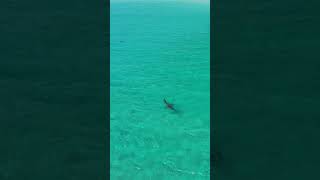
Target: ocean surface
{"x":160,"y":50}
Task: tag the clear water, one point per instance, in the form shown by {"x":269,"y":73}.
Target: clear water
{"x":160,"y":50}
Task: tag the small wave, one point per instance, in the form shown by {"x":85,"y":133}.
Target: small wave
{"x":170,"y":165}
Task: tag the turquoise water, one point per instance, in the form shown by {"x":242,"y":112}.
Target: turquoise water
{"x":160,"y":50}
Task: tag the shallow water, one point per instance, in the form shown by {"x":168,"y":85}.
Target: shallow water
{"x":160,"y":50}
